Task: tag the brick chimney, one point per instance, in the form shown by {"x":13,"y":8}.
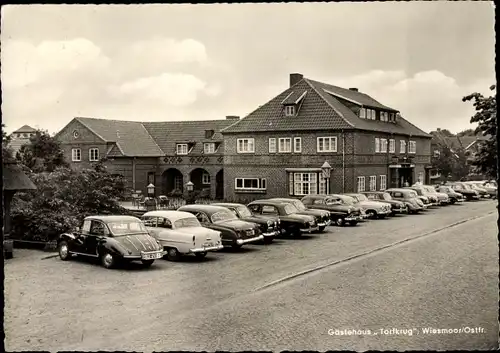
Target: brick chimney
{"x":353,"y":89}
{"x":232,"y":117}
{"x":294,"y":78}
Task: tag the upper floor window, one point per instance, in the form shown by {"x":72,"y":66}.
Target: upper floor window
{"x":392,"y":146}
{"x":182,"y":148}
{"x":362,"y":113}
{"x":327,"y":144}
{"x":289,"y":110}
{"x":371,"y":114}
{"x":377,"y":145}
{"x":209,"y":147}
{"x":297,"y":145}
{"x":383,"y":145}
{"x":402,"y":146}
{"x":384,"y":116}
{"x":412,"y":147}
{"x":93,"y":154}
{"x":285,"y":145}
{"x":392,"y":117}
{"x":272,"y":145}
{"x":76,"y":155}
{"x":246,"y":145}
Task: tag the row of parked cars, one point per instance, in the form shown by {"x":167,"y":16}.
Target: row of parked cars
{"x":199,"y":229}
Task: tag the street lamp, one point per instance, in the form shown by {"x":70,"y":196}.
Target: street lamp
{"x":151,"y":190}
{"x":190,"y":198}
{"x":189,"y":186}
{"x":326,"y":169}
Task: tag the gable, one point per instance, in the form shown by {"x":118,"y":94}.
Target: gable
{"x":66,"y":134}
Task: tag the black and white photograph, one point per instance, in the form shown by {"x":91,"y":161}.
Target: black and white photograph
{"x":302,"y":176}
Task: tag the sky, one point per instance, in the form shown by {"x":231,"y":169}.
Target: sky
{"x":203,"y":62}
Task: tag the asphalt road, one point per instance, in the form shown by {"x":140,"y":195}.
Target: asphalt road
{"x":409,"y":273}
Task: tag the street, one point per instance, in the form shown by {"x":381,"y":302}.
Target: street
{"x":392,"y":281}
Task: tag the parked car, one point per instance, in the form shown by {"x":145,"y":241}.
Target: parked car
{"x":423,"y":196}
{"x":111,"y":239}
{"x":234,"y":231}
{"x":455,"y":197}
{"x":342,"y":210}
{"x":465,"y":190}
{"x":442,"y":198}
{"x":269,"y":225}
{"x":382,"y":196}
{"x":481,"y":190}
{"x":409,"y":197}
{"x":490,"y":188}
{"x":322,"y":217}
{"x":292,"y":223}
{"x":180,"y":233}
{"x":373,"y":209}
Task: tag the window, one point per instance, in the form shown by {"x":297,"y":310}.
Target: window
{"x":289,"y":110}
{"x":285,"y":145}
{"x":412,"y":147}
{"x":178,"y":182}
{"x":373,"y":183}
{"x":272,"y":145}
{"x":362,"y":113}
{"x":392,"y":146}
{"x":76,"y":155}
{"x":323,"y":187}
{"x":327,"y":144}
{"x":246,"y":145}
{"x":209,"y":148}
{"x":402,"y":146}
{"x":250,"y":184}
{"x":290,"y":183}
{"x":205,"y":178}
{"x":370,"y":114}
{"x":361,"y":184}
{"x":182,"y":148}
{"x":383,"y":182}
{"x":305,"y":183}
{"x":392,"y":117}
{"x":93,"y":154}
{"x":377,"y":145}
{"x":297,"y":145}
{"x":383,"y":145}
{"x":384,"y":116}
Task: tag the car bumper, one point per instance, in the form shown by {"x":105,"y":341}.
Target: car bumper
{"x":353,"y":218}
{"x":309,"y":230}
{"x":271,"y":234}
{"x":249,"y":240}
{"x":150,"y":255}
{"x":400,"y":210}
{"x":384,"y":212}
{"x":324,"y":224}
{"x":206,"y":248}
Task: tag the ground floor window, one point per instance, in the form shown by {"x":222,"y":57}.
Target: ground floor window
{"x":250,"y":184}
{"x":361,"y":184}
{"x":178,"y":182}
{"x":308,"y":183}
{"x":383,"y":182}
{"x":373,"y":183}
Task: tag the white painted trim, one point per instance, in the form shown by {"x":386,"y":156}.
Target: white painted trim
{"x":279,"y":144}
{"x":283,"y":101}
{"x":245,"y":138}
{"x":301,"y":97}
{"x":326,"y":137}
{"x":295,"y":149}
{"x":299,"y":170}
{"x":343,"y":97}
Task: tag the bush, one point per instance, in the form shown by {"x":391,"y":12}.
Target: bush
{"x":176,"y":193}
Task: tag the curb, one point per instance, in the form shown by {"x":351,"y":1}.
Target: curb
{"x":49,"y":256}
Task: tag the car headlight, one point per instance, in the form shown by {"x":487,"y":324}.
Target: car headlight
{"x":269,"y":223}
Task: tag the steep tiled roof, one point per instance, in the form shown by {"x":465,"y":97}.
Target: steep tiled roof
{"x":321,"y":110}
{"x":167,"y":134}
{"x":131,"y":137}
{"x":457,"y":142}
{"x":25,"y":128}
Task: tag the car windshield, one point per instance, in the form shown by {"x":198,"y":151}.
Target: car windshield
{"x":126,"y":228}
{"x":419,"y":192}
{"x":223,"y":216}
{"x":187,"y":222}
{"x":299,"y":205}
{"x":386,"y":196}
{"x":347,"y":200}
{"x":465,"y":186}
{"x":289,"y":209}
{"x":244,"y":212}
{"x":361,"y":198}
{"x":413,"y":194}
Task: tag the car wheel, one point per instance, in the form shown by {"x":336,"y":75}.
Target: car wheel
{"x":200,"y":255}
{"x":321,"y":228}
{"x":381,"y":216}
{"x":108,"y":260}
{"x":173,"y":254}
{"x":236,"y":246}
{"x":339,"y":222}
{"x":64,"y":251}
{"x":268,"y":240}
{"x":371,"y":214}
{"x":147,"y":263}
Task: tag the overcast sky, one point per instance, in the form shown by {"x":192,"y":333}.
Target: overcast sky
{"x":198,"y":62}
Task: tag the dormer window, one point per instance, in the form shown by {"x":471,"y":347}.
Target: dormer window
{"x":384,"y":116}
{"x":289,"y":110}
{"x":362,"y":113}
{"x":182,"y":148}
{"x":209,"y":147}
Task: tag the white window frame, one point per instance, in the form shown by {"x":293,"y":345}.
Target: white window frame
{"x":209,"y":147}
{"x":289,"y":110}
{"x":305,"y":183}
{"x":93,"y":158}
{"x":392,"y":146}
{"x":205,"y":178}
{"x":272,"y":145}
{"x":383,"y":145}
{"x":297,"y":145}
{"x":332,"y":144}
{"x":361,"y":184}
{"x":179,"y":149}
{"x":412,"y":147}
{"x":76,"y":154}
{"x":383,"y":182}
{"x":362,"y":113}
{"x":284,"y":149}
{"x":261,"y":184}
{"x":377,"y":145}
{"x":402,"y":146}
{"x":250,"y":147}
{"x":373,"y":183}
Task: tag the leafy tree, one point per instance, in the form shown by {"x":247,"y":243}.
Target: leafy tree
{"x":486,"y":159}
{"x":451,"y":163}
{"x":43,"y":153}
{"x":467,"y":132}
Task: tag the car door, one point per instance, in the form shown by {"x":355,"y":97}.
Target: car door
{"x":98,"y":231}
{"x":78,"y":244}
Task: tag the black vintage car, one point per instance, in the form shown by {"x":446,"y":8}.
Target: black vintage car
{"x":341,"y":211}
{"x":382,"y":196}
{"x":322,"y":217}
{"x":234,"y":232}
{"x":111,"y":239}
{"x":465,"y":190}
{"x":269,"y":225}
{"x":292,"y":223}
{"x":452,"y":194}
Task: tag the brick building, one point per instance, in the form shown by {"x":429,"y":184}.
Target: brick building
{"x":279,"y":148}
{"x":165,"y":154}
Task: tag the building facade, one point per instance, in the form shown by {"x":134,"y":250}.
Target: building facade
{"x":20,"y":137}
{"x":281,"y":147}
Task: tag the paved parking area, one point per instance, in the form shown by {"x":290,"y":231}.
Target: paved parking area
{"x":247,"y":295}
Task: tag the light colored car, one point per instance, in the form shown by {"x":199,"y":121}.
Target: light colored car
{"x":443,"y":198}
{"x":180,"y":233}
{"x":373,"y":209}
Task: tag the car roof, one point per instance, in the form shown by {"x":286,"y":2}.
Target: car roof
{"x":171,"y":215}
{"x":203,"y":208}
{"x":372,"y":192}
{"x":399,"y":190}
{"x":267,"y":202}
{"x":113,"y":218}
{"x":283,"y":199}
{"x":227,"y":204}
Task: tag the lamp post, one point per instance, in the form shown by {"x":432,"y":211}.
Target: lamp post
{"x":150,"y":203}
{"x":326,"y":169}
{"x":190,"y":199}
{"x":151,"y":190}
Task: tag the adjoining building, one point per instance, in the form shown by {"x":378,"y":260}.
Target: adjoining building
{"x":281,"y":148}
{"x":20,"y":137}
{"x":165,"y":154}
